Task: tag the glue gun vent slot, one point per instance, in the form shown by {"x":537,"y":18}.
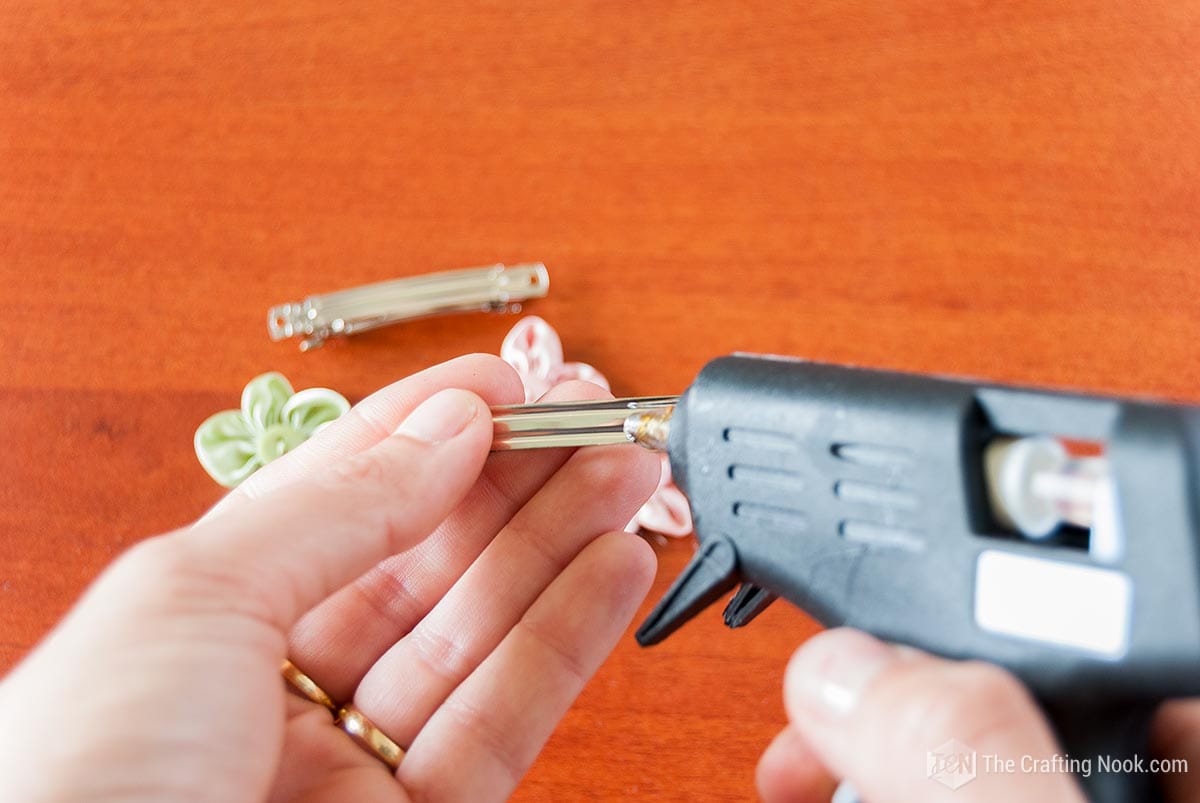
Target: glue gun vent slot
{"x":868,"y":454}
{"x":881,"y":535}
{"x":871,"y":494}
{"x":770,"y":515}
{"x":779,"y":477}
{"x":760,"y":439}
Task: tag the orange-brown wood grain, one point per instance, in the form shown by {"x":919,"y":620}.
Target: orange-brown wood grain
{"x":1004,"y":190}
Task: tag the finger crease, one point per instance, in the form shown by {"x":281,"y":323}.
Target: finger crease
{"x":497,"y":490}
{"x":443,"y":656}
{"x":539,"y":546}
{"x":389,"y":596}
{"x":374,"y":425}
{"x":568,"y":660}
{"x":493,"y":738}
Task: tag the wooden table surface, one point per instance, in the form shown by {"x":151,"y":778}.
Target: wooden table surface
{"x":1007,"y":190}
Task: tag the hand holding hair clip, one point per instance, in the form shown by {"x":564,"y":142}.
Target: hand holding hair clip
{"x":494,"y":288}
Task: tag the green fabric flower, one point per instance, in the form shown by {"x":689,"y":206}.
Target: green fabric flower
{"x":274,"y":419}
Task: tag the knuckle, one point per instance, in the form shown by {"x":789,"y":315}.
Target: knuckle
{"x":424,"y":783}
{"x":154,"y":558}
{"x":164,"y":572}
{"x":168,"y":563}
{"x":603,"y":471}
{"x":390,"y":595}
{"x":490,"y":735}
{"x":366,"y":416}
{"x":445,"y":657}
{"x":624,"y":475}
{"x":367,"y":471}
{"x":504,"y":489}
{"x":373,"y":490}
{"x":963,"y":701}
{"x":990,"y":696}
{"x":570,"y":663}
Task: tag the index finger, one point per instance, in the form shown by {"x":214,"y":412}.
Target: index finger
{"x":297,"y":545}
{"x":374,"y":418}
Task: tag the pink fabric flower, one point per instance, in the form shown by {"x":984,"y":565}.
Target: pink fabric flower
{"x":666,"y":511}
{"x":535,"y":350}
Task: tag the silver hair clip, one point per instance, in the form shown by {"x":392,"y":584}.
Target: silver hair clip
{"x":495,"y":288}
{"x":645,"y":421}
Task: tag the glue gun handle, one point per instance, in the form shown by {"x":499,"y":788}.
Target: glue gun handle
{"x":1118,"y":736}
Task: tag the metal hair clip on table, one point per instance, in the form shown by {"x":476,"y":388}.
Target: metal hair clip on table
{"x":494,"y":288}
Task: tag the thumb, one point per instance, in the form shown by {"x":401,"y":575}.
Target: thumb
{"x":879,"y":716}
{"x":293,"y":547}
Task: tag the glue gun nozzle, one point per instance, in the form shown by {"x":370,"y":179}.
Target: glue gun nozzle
{"x":651,"y":429}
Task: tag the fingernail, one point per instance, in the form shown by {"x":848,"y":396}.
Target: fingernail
{"x":440,"y":417}
{"x":831,"y":670}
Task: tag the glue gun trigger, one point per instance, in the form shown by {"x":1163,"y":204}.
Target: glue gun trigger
{"x":711,"y":573}
{"x":749,"y":601}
